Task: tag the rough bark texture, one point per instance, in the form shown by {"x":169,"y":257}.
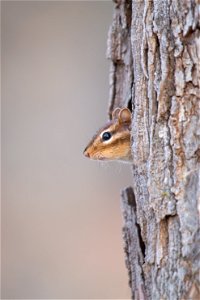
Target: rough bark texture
{"x":154,"y":48}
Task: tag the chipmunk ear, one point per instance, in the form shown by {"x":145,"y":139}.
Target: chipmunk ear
{"x":115,"y":113}
{"x":124,"y":116}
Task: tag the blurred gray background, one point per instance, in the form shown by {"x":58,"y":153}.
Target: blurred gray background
{"x":61,"y":218}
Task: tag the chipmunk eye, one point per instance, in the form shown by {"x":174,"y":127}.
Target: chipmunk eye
{"x":106,"y":136}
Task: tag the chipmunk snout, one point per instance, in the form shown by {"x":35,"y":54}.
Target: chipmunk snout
{"x":86,"y":153}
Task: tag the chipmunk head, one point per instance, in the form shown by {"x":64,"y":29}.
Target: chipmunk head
{"x":112,"y":141}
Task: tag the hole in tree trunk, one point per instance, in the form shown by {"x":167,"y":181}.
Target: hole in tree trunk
{"x":130,"y":105}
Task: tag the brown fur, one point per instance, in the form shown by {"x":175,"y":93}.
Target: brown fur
{"x":118,"y":147}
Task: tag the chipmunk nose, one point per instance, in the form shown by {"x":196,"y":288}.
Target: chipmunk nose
{"x":86,"y":153}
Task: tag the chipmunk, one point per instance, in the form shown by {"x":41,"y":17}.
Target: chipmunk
{"x":112,"y":141}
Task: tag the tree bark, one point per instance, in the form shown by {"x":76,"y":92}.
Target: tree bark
{"x":154,"y":48}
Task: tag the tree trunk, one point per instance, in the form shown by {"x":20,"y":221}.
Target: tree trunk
{"x":154,"y":48}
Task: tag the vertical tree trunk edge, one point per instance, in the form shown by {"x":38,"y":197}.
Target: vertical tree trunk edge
{"x":154,"y":49}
